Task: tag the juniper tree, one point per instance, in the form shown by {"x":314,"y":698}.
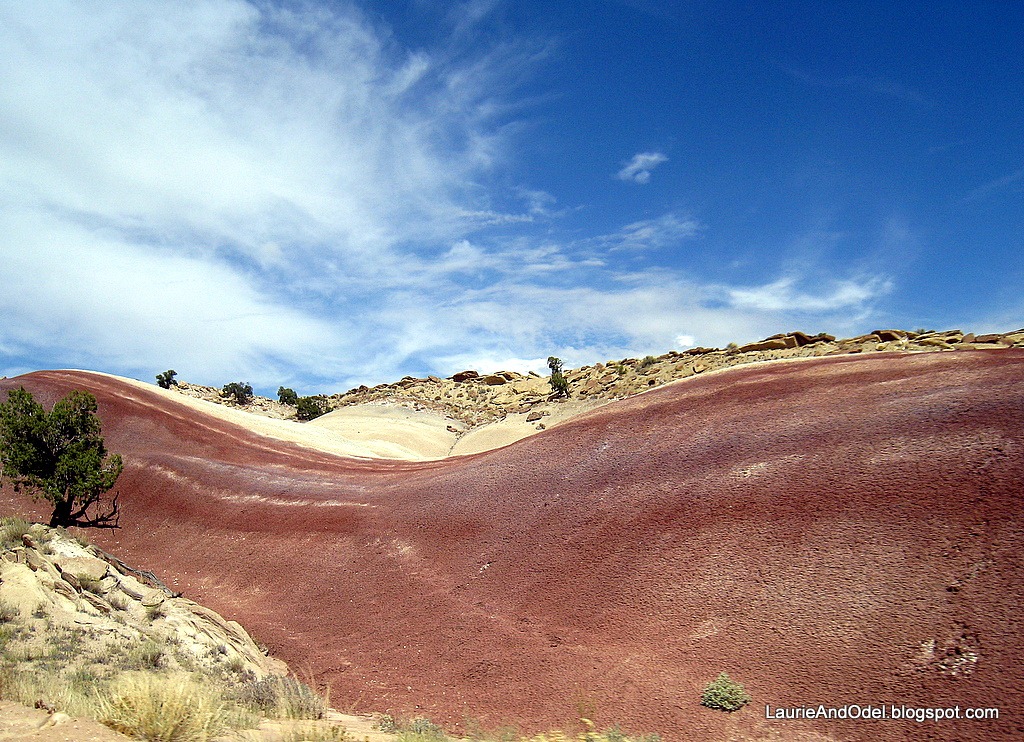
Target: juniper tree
{"x":166,"y":379}
{"x":559,"y":384}
{"x":240,"y":390}
{"x":59,"y":456}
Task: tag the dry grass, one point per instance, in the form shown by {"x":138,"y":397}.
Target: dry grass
{"x":12,"y":528}
{"x":283,"y":698}
{"x":72,"y":695}
{"x":312,"y":732}
{"x":162,"y":708}
{"x":613,"y":734}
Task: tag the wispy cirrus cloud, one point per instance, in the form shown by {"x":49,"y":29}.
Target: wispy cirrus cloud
{"x":992,"y":186}
{"x":272,"y":162}
{"x":638,"y":170}
{"x":786,"y":295}
{"x":876,"y":85}
{"x":663,"y":231}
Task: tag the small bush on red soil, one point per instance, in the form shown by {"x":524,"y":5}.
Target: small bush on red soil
{"x":725,"y":694}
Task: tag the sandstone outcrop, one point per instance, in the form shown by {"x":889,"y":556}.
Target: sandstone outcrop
{"x":58,"y":583}
{"x":477,"y":399}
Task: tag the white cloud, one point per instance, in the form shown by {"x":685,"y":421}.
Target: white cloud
{"x":647,"y":312}
{"x":664,"y":231}
{"x":785,"y":295}
{"x":252,"y":172}
{"x":639,"y":168}
{"x":103,"y":303}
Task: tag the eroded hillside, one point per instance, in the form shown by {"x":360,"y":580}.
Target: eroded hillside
{"x":841,"y":530}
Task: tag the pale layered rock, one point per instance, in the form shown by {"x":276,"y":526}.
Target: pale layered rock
{"x":44,"y":582}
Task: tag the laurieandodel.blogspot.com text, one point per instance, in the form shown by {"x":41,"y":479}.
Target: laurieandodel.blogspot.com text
{"x":880,"y":711}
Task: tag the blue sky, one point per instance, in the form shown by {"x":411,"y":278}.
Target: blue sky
{"x":323,"y":194}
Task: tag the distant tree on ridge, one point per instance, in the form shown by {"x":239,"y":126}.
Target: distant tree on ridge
{"x":166,"y":379}
{"x":240,"y":390}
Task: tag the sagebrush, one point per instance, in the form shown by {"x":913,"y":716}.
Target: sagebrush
{"x":725,"y":694}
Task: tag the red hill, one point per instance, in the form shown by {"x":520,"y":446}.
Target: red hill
{"x":835,"y":531}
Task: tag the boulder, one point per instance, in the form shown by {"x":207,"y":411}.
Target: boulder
{"x":464,"y":376}
{"x":860,"y":339}
{"x":83,"y":566}
{"x":153,"y":598}
{"x":33,"y":559}
{"x":534,"y":417}
{"x":97,"y":602}
{"x":66,"y":588}
{"x":890,"y":336}
{"x":767,"y":344}
{"x":128,"y":589}
{"x":495,"y":380}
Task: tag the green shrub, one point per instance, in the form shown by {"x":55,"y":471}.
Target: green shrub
{"x":287,"y":396}
{"x":240,"y":390}
{"x":166,"y":379}
{"x":559,"y":384}
{"x":725,"y":694}
{"x":648,"y":361}
{"x":146,"y":655}
{"x":310,"y":408}
{"x":296,"y":700}
{"x":424,"y":726}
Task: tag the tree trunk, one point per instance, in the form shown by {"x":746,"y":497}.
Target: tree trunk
{"x":61,"y":514}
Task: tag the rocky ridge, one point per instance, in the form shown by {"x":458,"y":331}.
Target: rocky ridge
{"x":51,"y":582}
{"x":475,"y":399}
